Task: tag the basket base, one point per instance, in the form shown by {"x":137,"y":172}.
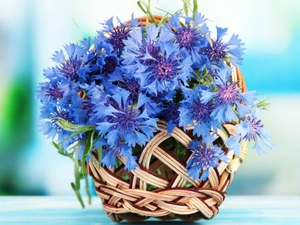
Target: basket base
{"x":132,"y":217}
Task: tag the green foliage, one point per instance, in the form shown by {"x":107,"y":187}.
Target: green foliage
{"x":146,"y":8}
{"x":263,"y":104}
{"x":72,"y":152}
{"x":187,"y":7}
{"x":72,"y":127}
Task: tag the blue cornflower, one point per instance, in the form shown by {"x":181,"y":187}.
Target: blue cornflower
{"x":133,"y":86}
{"x":141,"y":50}
{"x":50,"y":91}
{"x":127,"y":81}
{"x":69,"y":106}
{"x":116,"y":34}
{"x":194,"y":112}
{"x":122,"y":120}
{"x":205,"y":155}
{"x":156,"y":60}
{"x":217,"y":51}
{"x":60,"y":99}
{"x":228,"y":100}
{"x":107,"y":60}
{"x":250,"y":129}
{"x":48,"y":123}
{"x":69,"y":65}
{"x":98,"y":63}
{"x":56,"y":91}
{"x":190,"y":33}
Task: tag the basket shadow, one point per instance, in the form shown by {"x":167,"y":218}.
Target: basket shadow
{"x":160,"y":222}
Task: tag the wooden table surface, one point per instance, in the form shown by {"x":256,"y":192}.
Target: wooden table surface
{"x":66,"y":210}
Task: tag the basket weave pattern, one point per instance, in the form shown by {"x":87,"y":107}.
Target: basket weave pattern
{"x":173,"y":194}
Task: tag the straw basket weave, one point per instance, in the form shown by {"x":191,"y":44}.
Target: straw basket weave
{"x":160,"y":187}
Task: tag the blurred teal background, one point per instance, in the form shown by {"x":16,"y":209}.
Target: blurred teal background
{"x":31,"y":30}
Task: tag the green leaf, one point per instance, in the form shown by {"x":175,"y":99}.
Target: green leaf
{"x":99,"y":154}
{"x":146,"y":8}
{"x":87,"y":189}
{"x":186,"y":5}
{"x":263,"y":104}
{"x":143,"y":5}
{"x":73,"y":186}
{"x":163,"y":20}
{"x":71,"y":127}
{"x":75,"y":145}
{"x":88,"y":147}
{"x":72,"y":135}
{"x":58,"y":147}
{"x":76,"y":170}
{"x":89,"y":144}
{"x":61,"y":150}
{"x":76,"y":190}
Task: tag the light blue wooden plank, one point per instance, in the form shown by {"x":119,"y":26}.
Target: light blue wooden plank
{"x":262,"y":210}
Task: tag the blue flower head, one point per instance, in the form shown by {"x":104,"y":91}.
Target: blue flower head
{"x":230,"y":102}
{"x":125,"y":80}
{"x":190,"y":33}
{"x":126,"y":121}
{"x":49,"y":127}
{"x":70,"y":63}
{"x":205,"y":155}
{"x":116,"y":34}
{"x":250,"y":129}
{"x":194,"y":112}
{"x":156,"y":60}
{"x":217,"y":52}
{"x":50,"y":91}
{"x":98,"y":63}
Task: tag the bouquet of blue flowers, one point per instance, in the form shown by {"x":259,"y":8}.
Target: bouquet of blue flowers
{"x":155,"y":104}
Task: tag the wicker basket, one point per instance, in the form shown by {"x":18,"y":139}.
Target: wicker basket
{"x":160,"y":187}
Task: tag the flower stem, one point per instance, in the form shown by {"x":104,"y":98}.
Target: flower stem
{"x":195,"y":7}
{"x":186,"y":5}
{"x":76,"y":186}
{"x":87,"y":189}
{"x":147,"y":10}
